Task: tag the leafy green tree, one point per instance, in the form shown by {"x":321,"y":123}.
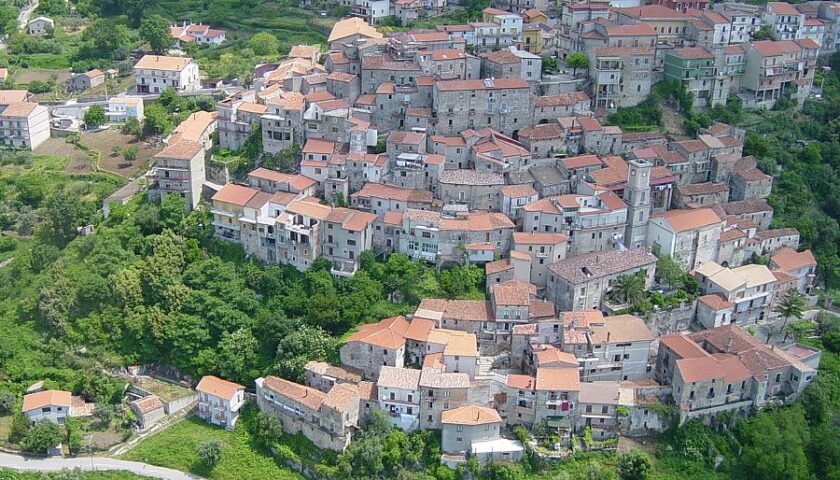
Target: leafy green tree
{"x":132,"y":127}
{"x":171,"y":211}
{"x":8,"y":19}
{"x":302,"y":345}
{"x":41,"y":437}
{"x":264,"y":44}
{"x":64,"y":212}
{"x":774,"y":445}
{"x":209,"y":451}
{"x":237,"y":355}
{"x":155,"y":30}
{"x":576,"y":60}
{"x":53,"y":8}
{"x":158,"y":121}
{"x":669,"y":273}
{"x":95,"y":117}
{"x":104,"y":39}
{"x":130,"y":154}
{"x":549,"y":65}
{"x":7,"y":402}
{"x":798,"y":329}
{"x":267,"y":429}
{"x":635,"y":465}
{"x":629,"y":289}
{"x":791,"y":306}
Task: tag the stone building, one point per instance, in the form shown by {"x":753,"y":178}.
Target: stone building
{"x":375,"y":345}
{"x":580,"y":282}
{"x":502,"y":104}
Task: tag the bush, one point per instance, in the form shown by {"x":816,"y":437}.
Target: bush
{"x":209,"y":451}
{"x":43,"y":436}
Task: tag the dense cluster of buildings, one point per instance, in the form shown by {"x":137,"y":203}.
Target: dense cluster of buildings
{"x":486,"y":161}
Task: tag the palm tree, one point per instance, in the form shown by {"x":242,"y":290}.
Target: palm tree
{"x":629,"y":289}
{"x":791,"y":306}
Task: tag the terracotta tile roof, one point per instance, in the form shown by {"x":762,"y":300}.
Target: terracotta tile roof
{"x":341,"y":396}
{"x":693,"y":53}
{"x":193,"y":127}
{"x":561,"y":99}
{"x":590,"y":266}
{"x":513,"y":292}
{"x":688,"y":219}
{"x":683,"y":346}
{"x":623,"y":51}
{"x":349,"y":219}
{"x":750,"y":205}
{"x":518,"y":191}
{"x":492,"y":268}
{"x":298,"y":182}
{"x":218,"y":387}
{"x":716,"y":302}
{"x":18,"y":110}
{"x":419,"y":329}
{"x":771,"y":48}
{"x":732,"y":234}
{"x":477,"y":222}
{"x":486,"y":84}
{"x":352,"y":26}
{"x":435,"y":378}
{"x":234,"y":194}
{"x":304,"y":51}
{"x":807,"y":43}
{"x":470,"y":177}
{"x":324,"y":368}
{"x":701,"y":369}
{"x":161,"y":62}
{"x":546,"y":131}
{"x":789,"y":259}
{"x":541,"y":309}
{"x":367,"y":390}
{"x":554,"y":357}
{"x":521,"y":382}
{"x":652,"y":12}
{"x":635,"y":30}
{"x":392,"y":192}
{"x":461,"y":310}
{"x":621,"y":329}
{"x":148,"y":404}
{"x":399,"y":378}
{"x":470,"y":415}
{"x":783,"y":8}
{"x":581,"y":161}
{"x":45,"y":398}
{"x":402,"y":136}
{"x":538,"y":238}
{"x":387,"y":333}
{"x":13,"y":96}
{"x":557,"y":379}
{"x":309,"y":207}
{"x":308,"y":397}
{"x":733,"y":49}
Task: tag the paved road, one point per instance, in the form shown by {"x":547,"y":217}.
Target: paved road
{"x":23,"y":17}
{"x":17,"y":462}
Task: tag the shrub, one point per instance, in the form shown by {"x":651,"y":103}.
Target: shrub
{"x":209,"y":451}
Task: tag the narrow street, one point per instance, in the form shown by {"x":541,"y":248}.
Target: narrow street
{"x":90,"y":464}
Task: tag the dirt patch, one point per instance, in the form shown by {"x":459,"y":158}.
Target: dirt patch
{"x":625,"y":444}
{"x":31,"y":74}
{"x":104,"y":141}
{"x":105,"y":439}
{"x":78,"y":161}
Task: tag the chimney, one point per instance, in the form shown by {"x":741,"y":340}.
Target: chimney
{"x":729,"y":345}
{"x":608,"y":336}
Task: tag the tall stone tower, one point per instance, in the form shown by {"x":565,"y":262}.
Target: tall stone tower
{"x":637,"y":198}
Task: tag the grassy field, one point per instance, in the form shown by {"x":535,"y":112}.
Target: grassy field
{"x":241,"y":458}
{"x":13,"y":475}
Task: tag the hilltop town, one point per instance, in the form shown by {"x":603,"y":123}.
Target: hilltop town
{"x":475,"y":230}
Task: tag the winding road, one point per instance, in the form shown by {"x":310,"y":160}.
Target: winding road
{"x":88,"y":464}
